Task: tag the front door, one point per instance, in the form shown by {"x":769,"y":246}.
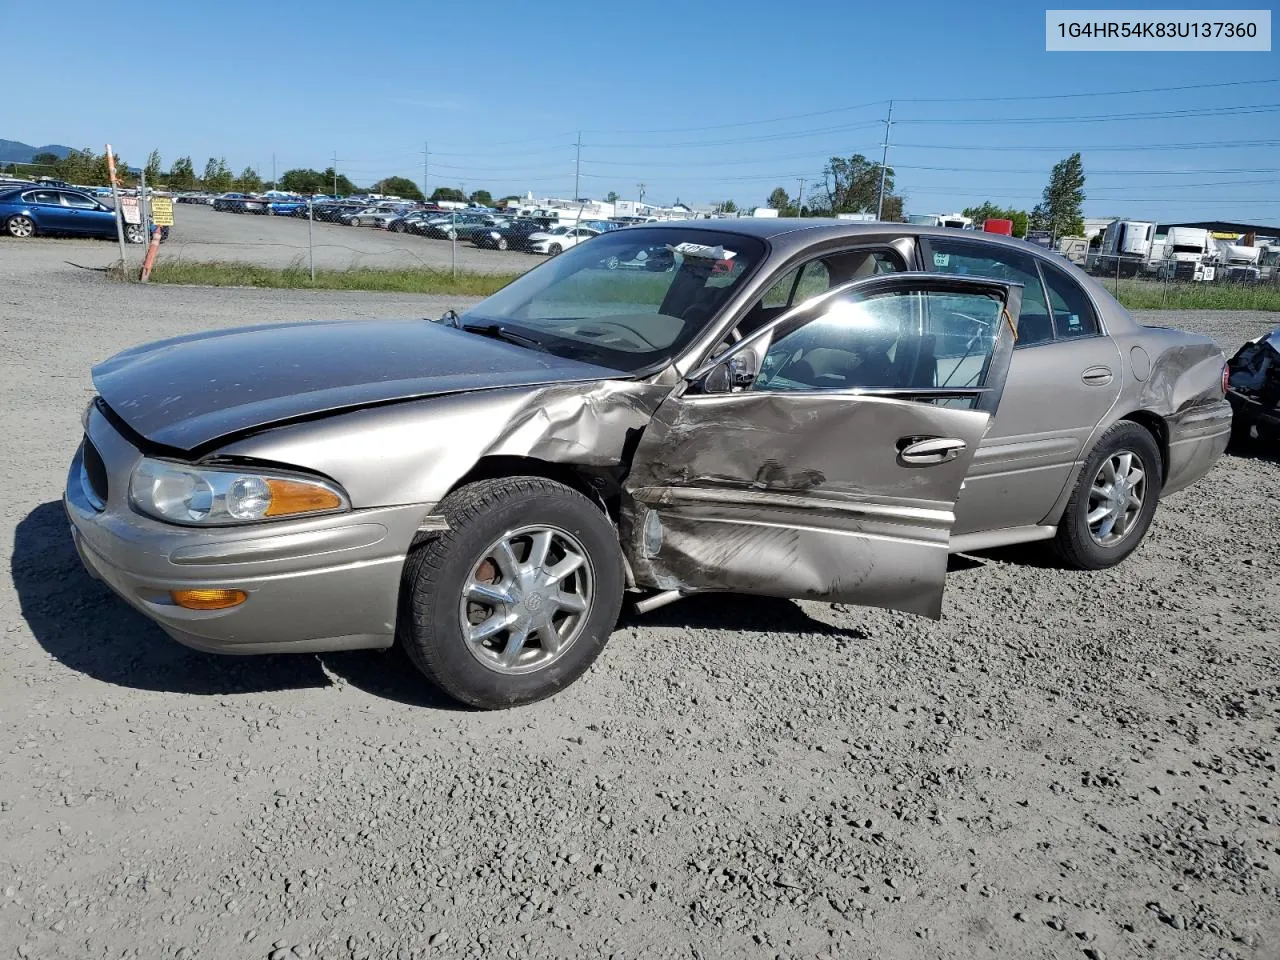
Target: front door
{"x":821,"y":457}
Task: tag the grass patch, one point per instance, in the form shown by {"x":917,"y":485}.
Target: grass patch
{"x":1154,"y":295}
{"x":295,"y":277}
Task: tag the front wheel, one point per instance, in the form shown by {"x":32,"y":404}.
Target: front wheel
{"x":502,"y":243}
{"x":21,"y":226}
{"x":133,"y":233}
{"x":517,"y":599}
{"x":1114,"y":499}
{"x":555,"y":249}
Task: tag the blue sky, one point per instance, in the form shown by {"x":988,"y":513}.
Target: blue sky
{"x":699,"y":101}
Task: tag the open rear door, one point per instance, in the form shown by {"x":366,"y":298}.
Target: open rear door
{"x":822,"y":457}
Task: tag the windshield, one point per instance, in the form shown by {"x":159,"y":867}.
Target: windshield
{"x":627,"y":299}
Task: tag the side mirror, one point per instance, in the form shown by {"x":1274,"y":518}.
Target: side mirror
{"x":736,"y":373}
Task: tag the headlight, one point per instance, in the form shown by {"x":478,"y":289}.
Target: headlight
{"x":216,"y":496}
{"x":495,"y":234}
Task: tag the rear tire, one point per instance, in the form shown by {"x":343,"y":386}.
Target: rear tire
{"x":1119,"y":524}
{"x":440,"y":618}
{"x":133,"y":233}
{"x":1241,"y":432}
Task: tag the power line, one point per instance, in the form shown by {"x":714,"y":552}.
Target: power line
{"x":747,"y":123}
{"x":1186,"y":113}
{"x":1077,"y":148}
{"x":1105,"y":93}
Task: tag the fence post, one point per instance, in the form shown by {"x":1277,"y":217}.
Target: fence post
{"x":453,"y":240}
{"x":311,"y":250}
{"x":115,"y":196}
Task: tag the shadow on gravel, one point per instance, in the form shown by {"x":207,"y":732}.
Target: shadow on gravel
{"x":732,"y":611}
{"x":86,"y":627}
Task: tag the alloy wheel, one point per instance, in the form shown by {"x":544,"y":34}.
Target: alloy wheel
{"x":1116,"y":497}
{"x":21,"y":227}
{"x":527,"y":599}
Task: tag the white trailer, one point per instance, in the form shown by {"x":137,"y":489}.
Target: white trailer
{"x":1125,"y":248}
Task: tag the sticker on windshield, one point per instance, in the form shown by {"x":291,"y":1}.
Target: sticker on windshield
{"x":941,"y":259}
{"x":703,"y":252}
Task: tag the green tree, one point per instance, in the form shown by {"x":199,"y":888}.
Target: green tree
{"x":447,"y":193}
{"x":779,"y":200}
{"x":182,"y":175}
{"x":1060,"y":208}
{"x":893,"y":208}
{"x":217,"y":176}
{"x":611,"y":197}
{"x":153,"y":169}
{"x":991,"y":211}
{"x":344,"y":186}
{"x":249,"y":181}
{"x":304,"y":181}
{"x":45,"y":160}
{"x":482,"y":197}
{"x":726,"y":206}
{"x":398,"y":187}
{"x":852,"y":185}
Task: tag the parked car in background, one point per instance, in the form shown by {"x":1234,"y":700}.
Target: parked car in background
{"x":559,"y":239}
{"x":371,"y":217}
{"x":487,"y":489}
{"x":36,"y":211}
{"x":513,"y":235}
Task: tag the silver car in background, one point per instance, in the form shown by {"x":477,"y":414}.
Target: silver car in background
{"x":804,"y":409}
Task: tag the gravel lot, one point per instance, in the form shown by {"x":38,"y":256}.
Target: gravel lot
{"x":1067,"y":765}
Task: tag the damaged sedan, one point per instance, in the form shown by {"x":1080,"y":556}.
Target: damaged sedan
{"x":794,"y":408}
{"x":1253,"y":389}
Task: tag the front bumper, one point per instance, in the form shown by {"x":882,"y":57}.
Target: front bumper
{"x":325,"y":583}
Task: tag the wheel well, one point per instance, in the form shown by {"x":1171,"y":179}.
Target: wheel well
{"x":596,"y":485}
{"x":1154,"y":424}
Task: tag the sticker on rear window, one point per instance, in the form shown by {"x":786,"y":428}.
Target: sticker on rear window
{"x":941,"y":259}
{"x":703,"y":252}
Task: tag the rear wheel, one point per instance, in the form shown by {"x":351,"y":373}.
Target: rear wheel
{"x":21,"y":226}
{"x":1113,"y":501}
{"x":133,"y":233}
{"x":517,"y":599}
{"x":1241,"y":432}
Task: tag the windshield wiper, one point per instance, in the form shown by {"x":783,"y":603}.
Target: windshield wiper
{"x":498,"y":332}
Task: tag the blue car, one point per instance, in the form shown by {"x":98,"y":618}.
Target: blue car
{"x":27,"y":211}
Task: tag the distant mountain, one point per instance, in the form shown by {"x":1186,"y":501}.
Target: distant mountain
{"x":15,"y":151}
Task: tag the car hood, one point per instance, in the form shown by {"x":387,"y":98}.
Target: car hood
{"x":187,"y":392}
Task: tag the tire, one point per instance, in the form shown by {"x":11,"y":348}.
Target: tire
{"x":133,"y":233}
{"x":612,"y":263}
{"x":20,"y":227}
{"x":451,"y":234}
{"x":433,"y":603}
{"x":555,"y":250}
{"x":1078,"y":544}
{"x":502,"y":243}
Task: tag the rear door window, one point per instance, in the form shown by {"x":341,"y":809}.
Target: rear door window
{"x":1073,"y":314}
{"x":1035,"y":325}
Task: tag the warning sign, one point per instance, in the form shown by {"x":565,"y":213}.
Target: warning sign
{"x":129,"y":208}
{"x":162,"y":211}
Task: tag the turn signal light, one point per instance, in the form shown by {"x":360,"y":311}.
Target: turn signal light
{"x":290,"y":497}
{"x":208,"y":599}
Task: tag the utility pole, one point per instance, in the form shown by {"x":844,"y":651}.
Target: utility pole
{"x":800,"y":199}
{"x":273,"y":171}
{"x":335,"y":174}
{"x":577,"y":166}
{"x":640,"y":187}
{"x":884,"y":160}
{"x":424,"y":169}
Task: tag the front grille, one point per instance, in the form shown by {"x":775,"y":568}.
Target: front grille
{"x":95,"y":470}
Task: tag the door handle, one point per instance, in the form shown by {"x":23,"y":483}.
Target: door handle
{"x":1097,"y":376}
{"x":927,"y":451}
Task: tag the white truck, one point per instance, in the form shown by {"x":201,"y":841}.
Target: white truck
{"x":1125,"y":248}
{"x":1189,"y":254}
{"x":1239,"y":264}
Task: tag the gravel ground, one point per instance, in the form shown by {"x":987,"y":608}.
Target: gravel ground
{"x":1067,"y":765}
{"x":201,"y":234}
